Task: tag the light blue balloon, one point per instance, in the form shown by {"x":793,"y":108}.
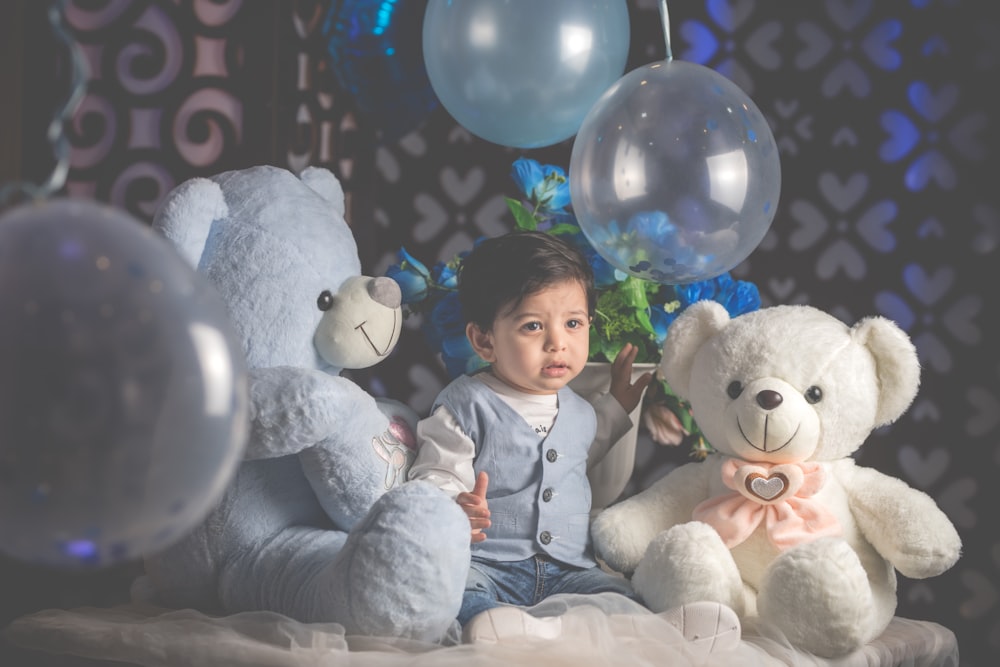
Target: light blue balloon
{"x":123,"y":397}
{"x":674,"y":175}
{"x":523,"y":73}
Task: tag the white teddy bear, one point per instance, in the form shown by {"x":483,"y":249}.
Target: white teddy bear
{"x":781,"y":524}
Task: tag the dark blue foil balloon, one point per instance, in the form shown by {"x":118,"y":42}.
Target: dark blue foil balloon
{"x":377,"y":55}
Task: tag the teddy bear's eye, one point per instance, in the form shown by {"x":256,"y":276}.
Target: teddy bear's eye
{"x":325,"y":300}
{"x":734,"y":389}
{"x":814,"y":394}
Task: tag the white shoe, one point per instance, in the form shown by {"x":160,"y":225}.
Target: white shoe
{"x":707,"y":626}
{"x":502,"y":623}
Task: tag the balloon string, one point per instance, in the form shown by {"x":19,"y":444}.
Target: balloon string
{"x":56,"y":136}
{"x":665,"y":19}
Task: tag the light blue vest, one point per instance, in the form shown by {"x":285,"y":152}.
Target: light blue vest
{"x":539,"y":495}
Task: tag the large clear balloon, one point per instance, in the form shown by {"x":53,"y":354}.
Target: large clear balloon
{"x":376,"y":52}
{"x":123,"y":398}
{"x":523,"y":73}
{"x":674,"y":174}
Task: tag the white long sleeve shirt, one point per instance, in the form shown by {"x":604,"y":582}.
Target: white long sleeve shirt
{"x":445,"y":454}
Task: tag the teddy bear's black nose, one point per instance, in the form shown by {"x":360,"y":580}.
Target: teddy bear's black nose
{"x":769,"y":399}
{"x":386,"y":292}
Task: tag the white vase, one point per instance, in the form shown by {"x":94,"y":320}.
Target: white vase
{"x":609,"y":477}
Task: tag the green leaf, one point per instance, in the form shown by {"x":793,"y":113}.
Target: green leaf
{"x":642,"y":317}
{"x":563,"y":228}
{"x":523,"y":217}
{"x":634,"y":291}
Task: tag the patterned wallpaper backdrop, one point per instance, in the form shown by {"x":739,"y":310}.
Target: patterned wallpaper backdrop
{"x":887,"y":123}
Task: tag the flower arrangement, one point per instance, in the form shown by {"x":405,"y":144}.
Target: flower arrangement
{"x":629,"y":309}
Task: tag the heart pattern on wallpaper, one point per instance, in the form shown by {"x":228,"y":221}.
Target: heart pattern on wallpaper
{"x":760,"y":45}
{"x":931,"y":166}
{"x":923,"y":470}
{"x":928,"y":288}
{"x":924,"y":409}
{"x":921,"y":593}
{"x":843,"y":195}
{"x":933,"y":352}
{"x":730,"y":14}
{"x":966,"y":136}
{"x":987,"y":219}
{"x":903,"y":136}
{"x":960,"y":319}
{"x":781,"y":288}
{"x":463,"y":189}
{"x":983,"y":594}
{"x":845,"y":136}
{"x":432,"y":220}
{"x":815,"y":42}
{"x":413,"y":144}
{"x":931,"y":228}
{"x":874,"y":223}
{"x":786,"y":108}
{"x":986,"y":412}
{"x":840,"y":256}
{"x":877,"y":45}
{"x":933,"y":105}
{"x":846,"y":75}
{"x":954,"y":501}
{"x":812,"y":224}
{"x":848,"y":14}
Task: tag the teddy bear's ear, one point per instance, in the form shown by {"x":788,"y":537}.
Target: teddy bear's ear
{"x":699,"y":322}
{"x":897,"y":364}
{"x":186,"y":214}
{"x":325,"y":184}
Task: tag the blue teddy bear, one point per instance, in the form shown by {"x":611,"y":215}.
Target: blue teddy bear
{"x":317,"y":523}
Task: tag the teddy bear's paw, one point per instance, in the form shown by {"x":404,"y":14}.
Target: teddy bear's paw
{"x":817,"y":595}
{"x":403,"y":569}
{"x":686,"y":564}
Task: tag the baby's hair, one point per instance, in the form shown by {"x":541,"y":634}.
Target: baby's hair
{"x":500,"y":272}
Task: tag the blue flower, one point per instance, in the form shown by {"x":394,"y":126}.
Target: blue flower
{"x":605,"y":274}
{"x":411,"y":276}
{"x":653,"y":225}
{"x":546,"y":186}
{"x":741,"y":297}
{"x":737,"y":296}
{"x":660,"y":319}
{"x":448,"y":330}
{"x":445,"y":321}
{"x":446,"y":275}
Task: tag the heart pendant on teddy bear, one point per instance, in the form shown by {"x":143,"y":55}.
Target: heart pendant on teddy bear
{"x":766,"y":488}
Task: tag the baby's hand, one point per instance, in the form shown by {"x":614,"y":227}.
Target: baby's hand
{"x":476,"y":508}
{"x":627,"y":394}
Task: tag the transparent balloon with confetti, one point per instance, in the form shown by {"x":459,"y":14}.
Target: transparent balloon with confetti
{"x":123,"y":398}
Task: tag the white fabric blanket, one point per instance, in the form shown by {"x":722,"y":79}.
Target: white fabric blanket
{"x":154,"y":637}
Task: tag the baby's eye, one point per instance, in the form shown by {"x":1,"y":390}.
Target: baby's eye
{"x":532,"y":326}
{"x":575,"y":324}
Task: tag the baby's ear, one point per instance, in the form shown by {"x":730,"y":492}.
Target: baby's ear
{"x":481,"y":341}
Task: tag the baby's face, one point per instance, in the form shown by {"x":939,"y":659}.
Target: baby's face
{"x":543,"y":343}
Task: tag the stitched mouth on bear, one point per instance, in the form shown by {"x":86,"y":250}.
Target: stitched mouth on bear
{"x":764,"y":447}
{"x":388,"y":344}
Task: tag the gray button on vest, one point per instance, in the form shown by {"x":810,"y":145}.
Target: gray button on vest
{"x":545,"y":537}
{"x":547,"y":495}
{"x":552,"y":455}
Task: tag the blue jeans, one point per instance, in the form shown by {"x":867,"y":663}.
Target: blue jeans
{"x":528,"y":582}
